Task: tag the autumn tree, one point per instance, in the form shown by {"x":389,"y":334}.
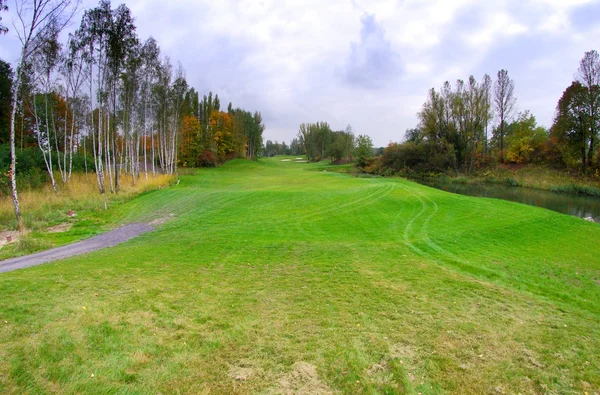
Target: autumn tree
{"x":525,"y":139}
{"x":221,"y":129}
{"x":188,"y":142}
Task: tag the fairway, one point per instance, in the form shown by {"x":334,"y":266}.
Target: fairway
{"x":283,"y":277}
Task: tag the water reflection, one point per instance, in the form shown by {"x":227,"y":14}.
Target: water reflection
{"x":579,"y":206}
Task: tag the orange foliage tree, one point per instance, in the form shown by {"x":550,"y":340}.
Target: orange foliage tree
{"x":221,"y":125}
{"x":188,"y":141}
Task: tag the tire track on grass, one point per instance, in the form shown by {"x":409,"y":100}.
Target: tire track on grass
{"x":424,"y":231}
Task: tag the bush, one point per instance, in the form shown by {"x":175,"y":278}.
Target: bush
{"x":31,"y":168}
{"x":410,"y":157}
{"x":207,"y":159}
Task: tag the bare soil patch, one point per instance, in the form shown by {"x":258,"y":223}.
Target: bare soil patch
{"x":303,"y":379}
{"x":65,"y":226}
{"x":162,"y":220}
{"x":15,"y":235}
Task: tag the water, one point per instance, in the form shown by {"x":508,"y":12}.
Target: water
{"x":576,"y":205}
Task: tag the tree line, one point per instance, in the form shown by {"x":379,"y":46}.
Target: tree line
{"x":210,"y":135}
{"x":106,"y":102}
{"x":318,"y":141}
{"x":474,"y":124}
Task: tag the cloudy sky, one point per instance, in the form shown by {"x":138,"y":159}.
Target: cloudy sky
{"x":368,"y":63}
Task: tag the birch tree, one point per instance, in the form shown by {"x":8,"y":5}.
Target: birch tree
{"x":150,"y":53}
{"x":33,"y":18}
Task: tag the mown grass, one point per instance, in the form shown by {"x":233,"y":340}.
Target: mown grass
{"x":383,"y":285}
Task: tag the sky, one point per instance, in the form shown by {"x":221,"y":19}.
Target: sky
{"x":367,"y":63}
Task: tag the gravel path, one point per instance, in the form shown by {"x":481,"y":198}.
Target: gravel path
{"x":104,"y":240}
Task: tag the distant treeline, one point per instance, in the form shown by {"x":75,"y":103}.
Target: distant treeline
{"x":474,"y":125}
{"x":318,"y":141}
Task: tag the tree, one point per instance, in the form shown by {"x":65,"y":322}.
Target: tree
{"x":364,"y":150}
{"x":221,"y":127}
{"x":35,"y":17}
{"x":588,"y":75}
{"x":255,"y":138}
{"x":414,"y":135}
{"x":452,"y":124}
{"x":188,"y":143}
{"x":150,"y":53}
{"x":3,"y":7}
{"x":487,"y":97}
{"x":342,"y":145}
{"x":571,"y":124}
{"x":6,"y":77}
{"x":92,"y":36}
{"x":45,"y":61}
{"x":122,"y":41}
{"x":525,"y":139}
{"x":316,"y":139}
{"x":504,"y":101}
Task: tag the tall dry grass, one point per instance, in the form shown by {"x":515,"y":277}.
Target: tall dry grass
{"x":43,"y":207}
{"x":540,"y":177}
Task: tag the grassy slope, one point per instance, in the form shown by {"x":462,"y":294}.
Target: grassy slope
{"x":384,"y":285}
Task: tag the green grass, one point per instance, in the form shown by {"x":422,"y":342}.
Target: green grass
{"x":274,"y":279}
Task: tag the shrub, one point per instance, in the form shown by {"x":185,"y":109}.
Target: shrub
{"x":207,"y":159}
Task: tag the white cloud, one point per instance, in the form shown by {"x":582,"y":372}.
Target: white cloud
{"x":292,"y":59}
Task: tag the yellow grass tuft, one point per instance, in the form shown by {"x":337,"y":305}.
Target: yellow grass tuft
{"x":40,"y":206}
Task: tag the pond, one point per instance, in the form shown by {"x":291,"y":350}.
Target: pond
{"x":577,"y":205}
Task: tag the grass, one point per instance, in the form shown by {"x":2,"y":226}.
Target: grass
{"x":274,"y":279}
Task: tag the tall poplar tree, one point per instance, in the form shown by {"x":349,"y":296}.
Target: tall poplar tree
{"x":504,"y":101}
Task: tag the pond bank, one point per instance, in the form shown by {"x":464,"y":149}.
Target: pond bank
{"x":535,"y":177}
{"x":582,"y":206}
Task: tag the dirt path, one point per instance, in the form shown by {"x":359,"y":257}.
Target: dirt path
{"x":104,"y":240}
